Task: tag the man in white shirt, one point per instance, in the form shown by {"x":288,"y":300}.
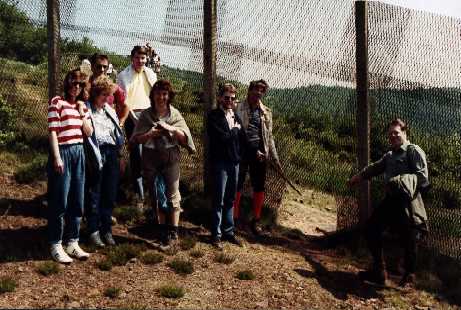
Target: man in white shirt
{"x":136,"y":80}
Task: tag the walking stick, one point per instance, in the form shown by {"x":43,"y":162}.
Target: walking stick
{"x":279,"y":170}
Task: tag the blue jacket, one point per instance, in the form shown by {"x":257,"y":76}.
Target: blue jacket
{"x":93,"y":143}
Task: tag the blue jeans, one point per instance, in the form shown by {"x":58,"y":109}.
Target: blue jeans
{"x":225,"y":181}
{"x":65,"y":195}
{"x":101,"y":192}
{"x":135,"y":159}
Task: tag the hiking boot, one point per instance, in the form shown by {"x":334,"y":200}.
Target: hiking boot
{"x":109,"y":239}
{"x":408,"y":279}
{"x":95,"y":239}
{"x":376,"y":276}
{"x":59,"y":255}
{"x":216,"y":242}
{"x":74,"y":250}
{"x":256,"y":228}
{"x":233,"y":239}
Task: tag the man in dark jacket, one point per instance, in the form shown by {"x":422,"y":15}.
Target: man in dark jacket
{"x":225,"y":132}
{"x":405,"y":175}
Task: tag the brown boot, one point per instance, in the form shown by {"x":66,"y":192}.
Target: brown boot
{"x":376,"y":275}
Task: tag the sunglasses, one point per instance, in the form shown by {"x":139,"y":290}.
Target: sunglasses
{"x":99,"y":67}
{"x":229,"y":98}
{"x":82,"y":84}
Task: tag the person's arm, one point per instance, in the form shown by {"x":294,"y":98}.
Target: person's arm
{"x":87,"y":128}
{"x":144,"y":137}
{"x":368,"y":172}
{"x":272,"y":148}
{"x":58,"y":165}
{"x":174,"y":132}
{"x":418,"y":164}
{"x":217,"y":128}
{"x":122,"y":108}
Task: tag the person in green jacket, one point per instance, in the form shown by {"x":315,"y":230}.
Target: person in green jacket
{"x":405,"y":176}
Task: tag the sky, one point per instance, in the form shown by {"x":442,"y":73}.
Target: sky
{"x":443,"y":7}
{"x":418,"y":47}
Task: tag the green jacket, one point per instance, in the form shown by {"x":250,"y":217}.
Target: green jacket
{"x":405,"y":173}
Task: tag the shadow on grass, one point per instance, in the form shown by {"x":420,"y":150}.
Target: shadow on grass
{"x":27,"y":208}
{"x":23,"y":244}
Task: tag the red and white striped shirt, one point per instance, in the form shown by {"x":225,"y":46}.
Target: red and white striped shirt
{"x":64,"y":118}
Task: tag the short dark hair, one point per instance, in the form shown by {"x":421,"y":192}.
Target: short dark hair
{"x":162,"y":85}
{"x":253,"y":84}
{"x":73,"y":75}
{"x":96,"y":56}
{"x":398,"y":122}
{"x":138,"y":49}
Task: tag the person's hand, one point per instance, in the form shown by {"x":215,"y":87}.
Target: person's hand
{"x":155,"y":132}
{"x":165,"y":126}
{"x":237,"y":125}
{"x":356,"y":179}
{"x":260,"y":156}
{"x":58,"y":165}
{"x":81,"y":107}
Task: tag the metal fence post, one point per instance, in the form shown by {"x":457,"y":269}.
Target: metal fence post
{"x":54,"y":55}
{"x":209,"y":76}
{"x":363,"y":109}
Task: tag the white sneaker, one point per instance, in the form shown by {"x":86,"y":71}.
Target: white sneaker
{"x":58,"y":254}
{"x":74,"y":250}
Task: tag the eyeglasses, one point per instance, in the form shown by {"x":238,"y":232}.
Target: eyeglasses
{"x":99,"y":67}
{"x":229,"y":98}
{"x":82,"y":84}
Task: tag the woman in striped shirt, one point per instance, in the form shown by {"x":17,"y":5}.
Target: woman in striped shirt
{"x":68,"y":121}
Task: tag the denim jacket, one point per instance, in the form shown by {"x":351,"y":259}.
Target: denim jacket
{"x":92,"y":141}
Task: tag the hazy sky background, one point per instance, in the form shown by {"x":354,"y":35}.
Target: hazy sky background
{"x":422,"y":47}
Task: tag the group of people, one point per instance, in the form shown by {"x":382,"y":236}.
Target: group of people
{"x":88,"y":127}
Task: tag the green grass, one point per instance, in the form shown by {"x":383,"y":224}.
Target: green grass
{"x":49,"y":268}
{"x":187,"y":243}
{"x":33,"y":171}
{"x":7,"y":285}
{"x":225,"y":258}
{"x":245,"y":275}
{"x":181,"y":266}
{"x":105,"y":265}
{"x":152,"y":258}
{"x":112,"y":292}
{"x":171,"y":291}
{"x":122,"y":253}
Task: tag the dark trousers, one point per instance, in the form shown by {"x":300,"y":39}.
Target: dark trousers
{"x":257,"y":171}
{"x":391,"y":214}
{"x":135,"y":159}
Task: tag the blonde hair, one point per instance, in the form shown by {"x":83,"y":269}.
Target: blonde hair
{"x":226,"y":87}
{"x":101,"y":84}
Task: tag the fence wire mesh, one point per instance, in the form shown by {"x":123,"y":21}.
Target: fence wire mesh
{"x":306,"y":52}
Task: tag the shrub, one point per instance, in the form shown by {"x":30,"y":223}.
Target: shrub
{"x":7,"y":285}
{"x":48,"y":268}
{"x":181,"y":266}
{"x":105,"y":265}
{"x":171,"y":291}
{"x":121,"y":254}
{"x":245,"y":275}
{"x":187,"y":243}
{"x":197,"y":253}
{"x":224,"y":258}
{"x":8,"y":119}
{"x":33,"y":171}
{"x":152,"y":258}
{"x":112,"y":292}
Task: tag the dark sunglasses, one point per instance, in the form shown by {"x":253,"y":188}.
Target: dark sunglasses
{"x":99,"y":67}
{"x":229,"y":98}
{"x":78,"y":83}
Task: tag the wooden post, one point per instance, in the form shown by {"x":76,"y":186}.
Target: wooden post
{"x":209,"y":77}
{"x":54,"y":55}
{"x":363,"y":109}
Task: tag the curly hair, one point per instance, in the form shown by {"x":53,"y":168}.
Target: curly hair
{"x":261,"y":82}
{"x":226,"y":87}
{"x":100,"y":85}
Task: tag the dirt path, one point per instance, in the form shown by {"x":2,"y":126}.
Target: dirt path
{"x":290,"y":273}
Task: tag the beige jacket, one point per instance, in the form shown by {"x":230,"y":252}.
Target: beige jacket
{"x":266,"y":120}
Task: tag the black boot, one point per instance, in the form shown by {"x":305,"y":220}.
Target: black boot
{"x":377,"y":274}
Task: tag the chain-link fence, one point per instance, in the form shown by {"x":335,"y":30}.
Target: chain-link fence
{"x":306,"y":52}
